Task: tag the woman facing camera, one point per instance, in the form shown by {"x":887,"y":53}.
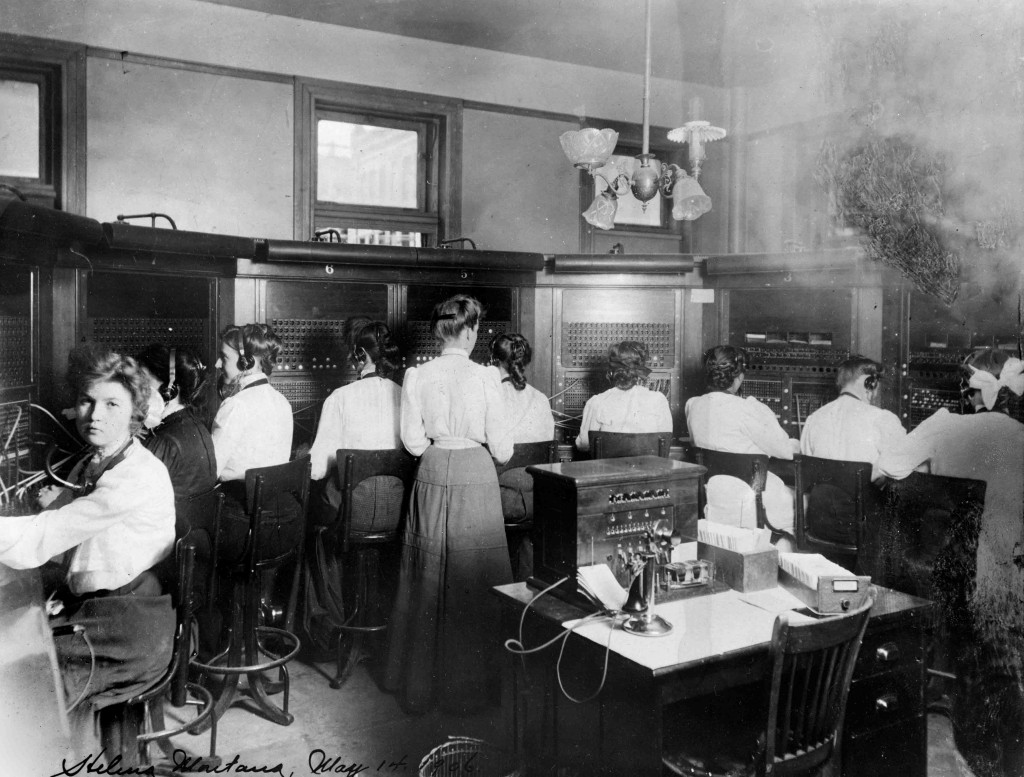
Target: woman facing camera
{"x":628,"y":406}
{"x":440,"y":637}
{"x":110,"y":524}
{"x":363,"y":415}
{"x":985,"y":445}
{"x":720,"y":420}
{"x":252,"y":428}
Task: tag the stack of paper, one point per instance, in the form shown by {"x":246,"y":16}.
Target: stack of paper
{"x":598,"y":582}
{"x":807,"y":568}
{"x":732,"y":537}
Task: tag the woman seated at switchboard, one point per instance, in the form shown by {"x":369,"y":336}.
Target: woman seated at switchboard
{"x":720,"y":420}
{"x":985,"y":445}
{"x":104,"y":531}
{"x":628,"y":406}
{"x":532,"y":421}
{"x":363,"y":415}
{"x":252,"y":428}
{"x":441,"y":646}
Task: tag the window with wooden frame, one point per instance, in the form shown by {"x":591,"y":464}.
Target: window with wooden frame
{"x":375,"y":167}
{"x":42,"y":126}
{"x":632,"y":220}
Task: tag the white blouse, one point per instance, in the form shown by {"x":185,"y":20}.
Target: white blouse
{"x":635,"y":410}
{"x":529,"y":413}
{"x":364,"y":415}
{"x":725,"y":422}
{"x":848,"y":429}
{"x":454,"y":403}
{"x":253,"y":428}
{"x":118,"y":531}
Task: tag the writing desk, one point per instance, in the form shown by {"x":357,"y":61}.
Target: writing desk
{"x":718,"y":643}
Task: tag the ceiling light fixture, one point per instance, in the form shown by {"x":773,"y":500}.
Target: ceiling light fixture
{"x":590,"y":148}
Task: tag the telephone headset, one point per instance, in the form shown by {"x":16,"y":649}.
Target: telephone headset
{"x":871,"y":381}
{"x":170,"y":391}
{"x":246,"y":361}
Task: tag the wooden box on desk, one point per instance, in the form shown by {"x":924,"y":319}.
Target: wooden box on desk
{"x":752,"y":570}
{"x":834,"y":593}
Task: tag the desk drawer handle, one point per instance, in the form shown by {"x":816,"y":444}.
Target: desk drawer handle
{"x":888,"y":653}
{"x":887,"y":702}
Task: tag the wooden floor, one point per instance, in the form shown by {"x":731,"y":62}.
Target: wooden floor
{"x":359,"y":729}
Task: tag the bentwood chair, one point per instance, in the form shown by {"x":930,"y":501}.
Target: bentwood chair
{"x":517,"y":501}
{"x":343,"y":600}
{"x":833,"y":499}
{"x":129,"y":727}
{"x":614,"y":445}
{"x":798,"y":727}
{"x":751,"y":468}
{"x":276,"y":502}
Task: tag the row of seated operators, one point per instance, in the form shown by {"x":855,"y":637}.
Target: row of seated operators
{"x":112,"y":521}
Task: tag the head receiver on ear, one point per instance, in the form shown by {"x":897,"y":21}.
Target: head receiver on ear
{"x":871,"y":382}
{"x":245,"y":360}
{"x":170,"y":391}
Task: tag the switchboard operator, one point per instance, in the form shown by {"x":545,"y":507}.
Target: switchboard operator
{"x":721,"y":420}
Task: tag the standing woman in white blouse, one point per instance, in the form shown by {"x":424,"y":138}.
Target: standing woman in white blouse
{"x":363,"y":416}
{"x":441,"y":633}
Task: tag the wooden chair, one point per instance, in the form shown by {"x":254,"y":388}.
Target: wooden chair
{"x":799,"y":726}
{"x":517,"y":501}
{"x":129,"y":727}
{"x":614,"y":445}
{"x":751,"y":468}
{"x":925,"y":542}
{"x":348,"y":610}
{"x":833,"y":499}
{"x":276,"y":501}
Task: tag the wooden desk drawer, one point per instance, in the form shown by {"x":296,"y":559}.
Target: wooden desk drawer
{"x":888,"y":650}
{"x":884,"y":699}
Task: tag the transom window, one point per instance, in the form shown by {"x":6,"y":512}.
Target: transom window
{"x":378,"y":167}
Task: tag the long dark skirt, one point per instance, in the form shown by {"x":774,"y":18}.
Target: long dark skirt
{"x":129,"y":647}
{"x":443,"y":632}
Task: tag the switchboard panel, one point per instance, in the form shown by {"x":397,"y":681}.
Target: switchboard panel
{"x":15,"y":453}
{"x":588,"y":321}
{"x":501,"y":315}
{"x":127,"y":312}
{"x":17,"y":344}
{"x":311,"y":318}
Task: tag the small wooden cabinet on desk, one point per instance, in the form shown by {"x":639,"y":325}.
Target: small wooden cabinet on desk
{"x":719,"y":642}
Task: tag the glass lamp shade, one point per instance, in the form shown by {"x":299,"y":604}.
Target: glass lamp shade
{"x":601,"y":213}
{"x":589,"y":148}
{"x":646,"y":178}
{"x":689,"y":202}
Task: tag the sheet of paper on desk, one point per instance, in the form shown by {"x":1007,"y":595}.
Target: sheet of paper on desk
{"x":735,"y":538}
{"x":773,"y":600}
{"x":598,"y":581}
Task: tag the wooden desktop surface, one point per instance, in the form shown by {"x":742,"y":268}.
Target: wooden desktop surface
{"x":719,"y":642}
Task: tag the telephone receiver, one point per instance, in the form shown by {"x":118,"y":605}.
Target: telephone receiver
{"x":639,"y":601}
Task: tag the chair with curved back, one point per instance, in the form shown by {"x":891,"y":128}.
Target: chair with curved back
{"x":517,"y":500}
{"x":347,"y":604}
{"x":276,"y":502}
{"x":833,"y":499}
{"x":614,"y":445}
{"x":799,"y":725}
{"x":129,"y":727}
{"x":751,"y":468}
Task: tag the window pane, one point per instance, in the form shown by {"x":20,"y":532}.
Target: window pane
{"x":362,"y":164}
{"x":631,"y":211}
{"x":19,"y":129}
{"x":373,"y":237}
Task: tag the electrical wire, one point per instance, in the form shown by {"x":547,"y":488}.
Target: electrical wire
{"x":517,"y":647}
{"x":14,"y":429}
{"x":79,"y":629}
{"x":58,"y":423}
